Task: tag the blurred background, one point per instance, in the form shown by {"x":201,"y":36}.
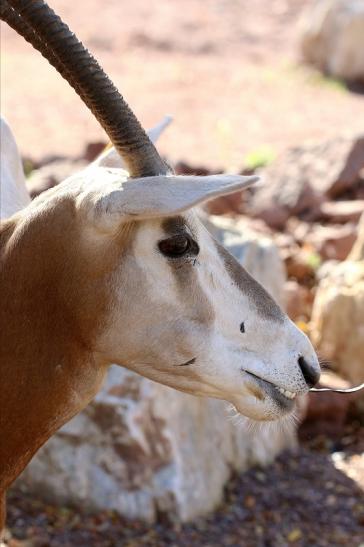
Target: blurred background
{"x":275,"y":88}
{"x":227,"y":71}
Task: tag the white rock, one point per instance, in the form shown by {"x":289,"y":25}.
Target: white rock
{"x":338,"y":314}
{"x":141,"y":448}
{"x":333,"y":37}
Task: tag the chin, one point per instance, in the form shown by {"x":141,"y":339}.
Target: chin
{"x":269,"y":410}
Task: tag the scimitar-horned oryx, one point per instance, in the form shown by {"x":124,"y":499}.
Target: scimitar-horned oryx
{"x":116,"y":267}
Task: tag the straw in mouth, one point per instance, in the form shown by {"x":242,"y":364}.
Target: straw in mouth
{"x":336,"y":390}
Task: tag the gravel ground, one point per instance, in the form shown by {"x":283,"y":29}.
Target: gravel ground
{"x":311,"y":498}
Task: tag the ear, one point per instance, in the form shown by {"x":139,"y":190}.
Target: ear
{"x":160,"y":196}
{"x":111,"y":158}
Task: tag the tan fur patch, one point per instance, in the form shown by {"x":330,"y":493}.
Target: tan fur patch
{"x":54,"y":297}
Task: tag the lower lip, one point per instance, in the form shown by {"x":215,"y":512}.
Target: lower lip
{"x":271,"y":390}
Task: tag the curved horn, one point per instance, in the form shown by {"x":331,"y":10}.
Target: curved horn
{"x":67,"y":54}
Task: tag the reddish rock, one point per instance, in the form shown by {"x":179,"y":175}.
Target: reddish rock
{"x":303,"y":177}
{"x":183,"y":168}
{"x":342,"y":211}
{"x":352,"y":166}
{"x":333,"y":242}
{"x":299,"y":266}
{"x":298,"y":301}
{"x":231,"y":204}
{"x":275,"y":216}
{"x":286,"y":192}
{"x":326,"y":411}
{"x":93,"y":149}
{"x":336,"y":165}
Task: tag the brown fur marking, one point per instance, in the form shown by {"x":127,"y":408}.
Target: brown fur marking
{"x":54,"y":298}
{"x":264,"y":303}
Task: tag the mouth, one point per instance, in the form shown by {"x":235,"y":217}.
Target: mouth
{"x":283,"y":397}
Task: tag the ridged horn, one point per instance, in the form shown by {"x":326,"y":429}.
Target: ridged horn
{"x":40,"y":26}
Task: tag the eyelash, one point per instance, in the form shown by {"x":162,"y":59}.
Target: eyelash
{"x":169,"y":247}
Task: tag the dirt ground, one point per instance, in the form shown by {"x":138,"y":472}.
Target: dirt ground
{"x":226,"y":70}
{"x":312,"y":498}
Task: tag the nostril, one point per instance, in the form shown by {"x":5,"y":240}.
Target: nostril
{"x":310,"y":374}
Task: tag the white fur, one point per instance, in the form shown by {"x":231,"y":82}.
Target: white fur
{"x":111,"y":197}
{"x":165,"y":313}
{"x":13,"y":192}
{"x":173,"y":334}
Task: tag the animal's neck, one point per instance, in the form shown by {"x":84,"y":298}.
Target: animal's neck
{"x":48,"y":370}
{"x":45,"y":398}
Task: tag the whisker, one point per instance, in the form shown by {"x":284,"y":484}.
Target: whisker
{"x":284,"y":425}
{"x":324,"y":363}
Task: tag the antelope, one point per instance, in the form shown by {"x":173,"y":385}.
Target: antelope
{"x":115,"y":266}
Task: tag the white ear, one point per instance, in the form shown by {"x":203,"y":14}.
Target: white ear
{"x":158,"y":129}
{"x":111,"y":158}
{"x":159,"y":196}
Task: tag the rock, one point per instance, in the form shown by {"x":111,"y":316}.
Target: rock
{"x":298,"y":229}
{"x":352,"y":168}
{"x":233,"y":203}
{"x":342,"y":211}
{"x":143,"y":449}
{"x":93,"y":150}
{"x":333,"y":38}
{"x":357,"y":252}
{"x":337,"y":326}
{"x":338,"y":314}
{"x":52,"y":174}
{"x":303,"y":177}
{"x":183,"y":168}
{"x":321,"y":407}
{"x":325,"y":269}
{"x":336,"y":165}
{"x":333,"y":242}
{"x":286,"y":192}
{"x":298,"y":301}
{"x":301,"y":264}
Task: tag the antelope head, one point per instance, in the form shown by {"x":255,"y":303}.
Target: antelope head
{"x":169,"y":302}
{"x":181,"y":310}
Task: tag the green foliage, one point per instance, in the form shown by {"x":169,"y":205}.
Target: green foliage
{"x":28,"y":167}
{"x":314,"y":260}
{"x":259,"y":157}
{"x":317,"y":78}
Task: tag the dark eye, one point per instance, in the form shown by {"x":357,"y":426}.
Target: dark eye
{"x":177,"y":246}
